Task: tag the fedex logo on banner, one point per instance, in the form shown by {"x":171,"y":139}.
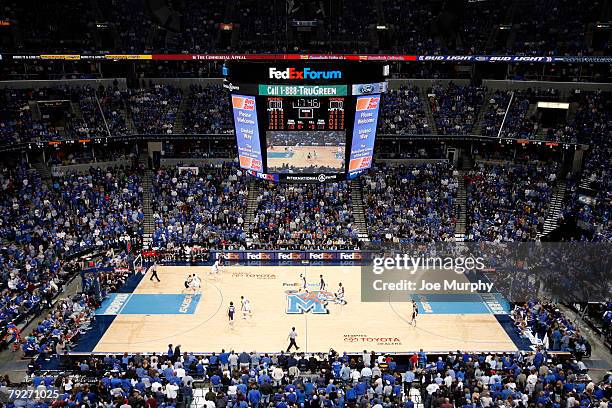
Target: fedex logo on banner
{"x":320,"y":255}
{"x":258,"y":255}
{"x":307,"y":73}
{"x":239,"y":102}
{"x":290,"y":255}
{"x":351,"y":255}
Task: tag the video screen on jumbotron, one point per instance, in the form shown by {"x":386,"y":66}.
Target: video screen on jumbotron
{"x":306,"y":151}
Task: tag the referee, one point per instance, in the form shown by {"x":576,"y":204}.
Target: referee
{"x":154,"y":272}
{"x":292,"y":336}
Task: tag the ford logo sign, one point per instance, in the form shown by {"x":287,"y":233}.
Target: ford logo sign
{"x":368,"y":88}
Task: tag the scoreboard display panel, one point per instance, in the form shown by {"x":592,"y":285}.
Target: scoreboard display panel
{"x":306,"y":118}
{"x":305,"y":113}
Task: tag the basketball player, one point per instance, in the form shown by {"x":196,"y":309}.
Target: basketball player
{"x":196,"y":283}
{"x":221,"y":259}
{"x":214,"y":271}
{"x":230,"y":314}
{"x":188,"y":282}
{"x":304,"y":284}
{"x":245,"y":307}
{"x":322,"y":285}
{"x":154,"y":272}
{"x":415,"y":313}
{"x":340,"y":295}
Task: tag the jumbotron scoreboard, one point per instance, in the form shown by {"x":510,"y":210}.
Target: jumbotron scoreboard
{"x":301,"y":121}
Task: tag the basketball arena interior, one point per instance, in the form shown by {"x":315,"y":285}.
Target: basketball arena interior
{"x":306,"y":204}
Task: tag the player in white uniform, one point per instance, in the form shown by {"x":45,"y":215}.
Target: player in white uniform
{"x":340,"y":295}
{"x":246,"y":307}
{"x":214,"y":271}
{"x":196,"y":283}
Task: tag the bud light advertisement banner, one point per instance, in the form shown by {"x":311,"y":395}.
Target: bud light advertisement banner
{"x":364,"y":134}
{"x":247,"y":132}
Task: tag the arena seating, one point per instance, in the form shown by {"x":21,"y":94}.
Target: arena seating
{"x":104,"y":180}
{"x":508,"y":203}
{"x":410,"y":203}
{"x":304,"y":216}
{"x":403,"y":113}
{"x":203,"y":208}
{"x":45,"y":224}
{"x":414,"y":28}
{"x":254,"y":379}
{"x":154,"y":109}
{"x":494,"y":117}
{"x":209,"y":110}
{"x":455,"y":108}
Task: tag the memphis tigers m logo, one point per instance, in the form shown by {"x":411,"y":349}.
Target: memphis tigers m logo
{"x":313,"y":302}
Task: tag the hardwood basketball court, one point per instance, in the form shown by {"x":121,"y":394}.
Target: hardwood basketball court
{"x":200,"y":323}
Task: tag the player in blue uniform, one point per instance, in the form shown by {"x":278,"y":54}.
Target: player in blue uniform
{"x":415,"y":313}
{"x":230,"y":314}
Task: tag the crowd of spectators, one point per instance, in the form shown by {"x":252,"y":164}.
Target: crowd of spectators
{"x":410,"y":203}
{"x":106,"y":205}
{"x":154,"y":109}
{"x":455,"y":108}
{"x":59,"y":330}
{"x":549,"y":324}
{"x":508,"y":202}
{"x":44,"y":223}
{"x":279,"y":139}
{"x":544,"y":35}
{"x":594,"y":206}
{"x":522,"y":119}
{"x":28,"y":263}
{"x":252,"y":379}
{"x":403,"y":113}
{"x":520,"y":122}
{"x":16,"y":122}
{"x":414,"y":27}
{"x":304,"y":216}
{"x":209,"y":110}
{"x":494,"y":116}
{"x":200,"y":206}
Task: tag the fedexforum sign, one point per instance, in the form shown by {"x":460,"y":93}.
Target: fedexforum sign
{"x":306,"y":73}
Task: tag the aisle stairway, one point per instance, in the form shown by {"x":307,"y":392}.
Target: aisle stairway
{"x":359,"y":210}
{"x":428,"y":113}
{"x":147,"y":186}
{"x":461,"y":207}
{"x":43,"y":170}
{"x":484,"y":109}
{"x":554,"y":210}
{"x":178,"y":126}
{"x":129,"y":120}
{"x":252,"y":203}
